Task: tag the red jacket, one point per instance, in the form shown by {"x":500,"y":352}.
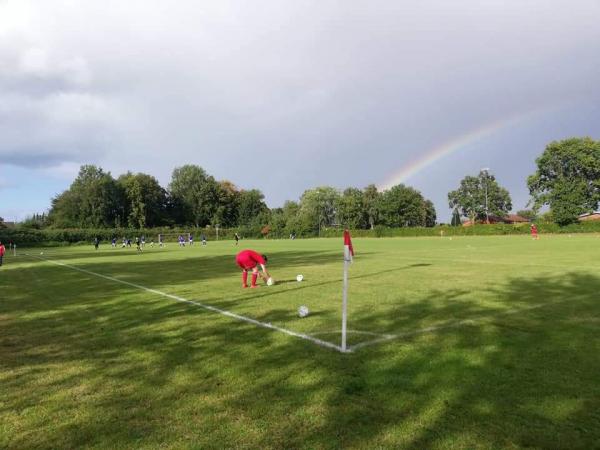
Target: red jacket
{"x":2,"y":250}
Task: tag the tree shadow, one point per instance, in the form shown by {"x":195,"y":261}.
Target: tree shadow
{"x":144,"y":374}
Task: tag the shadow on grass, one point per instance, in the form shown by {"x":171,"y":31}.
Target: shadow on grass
{"x":117,"y":372}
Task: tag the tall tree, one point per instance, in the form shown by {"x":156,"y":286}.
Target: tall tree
{"x":195,"y":192}
{"x":144,"y":199}
{"x":371,"y":199}
{"x":90,"y":201}
{"x":226,"y":211}
{"x":350,"y":209}
{"x":430,"y":214}
{"x":295,"y":221}
{"x":567,"y":178}
{"x":318,"y":206}
{"x":403,"y":206}
{"x":479,"y":197}
{"x":252,"y":208}
{"x":455,"y":222}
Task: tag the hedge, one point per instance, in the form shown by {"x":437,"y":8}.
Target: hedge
{"x":477,"y":230}
{"x":23,"y":236}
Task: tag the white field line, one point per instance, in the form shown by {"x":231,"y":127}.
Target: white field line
{"x":448,"y":325}
{"x":367,"y":333}
{"x":202,"y":305}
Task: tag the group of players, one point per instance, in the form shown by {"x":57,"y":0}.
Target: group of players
{"x":140,"y":242}
{"x":247,"y":260}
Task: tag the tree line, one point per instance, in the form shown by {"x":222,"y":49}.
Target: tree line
{"x":194,"y":198}
{"x":567,"y":180}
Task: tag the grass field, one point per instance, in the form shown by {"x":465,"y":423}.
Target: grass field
{"x":475,"y":342}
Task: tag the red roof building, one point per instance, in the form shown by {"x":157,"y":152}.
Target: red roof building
{"x":590,"y":216}
{"x":511,"y":219}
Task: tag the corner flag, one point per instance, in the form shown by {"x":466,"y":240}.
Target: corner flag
{"x":348,"y":254}
{"x":348,"y":249}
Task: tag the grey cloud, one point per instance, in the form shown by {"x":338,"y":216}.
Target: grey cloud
{"x":320,"y":92}
{"x":34,"y":158}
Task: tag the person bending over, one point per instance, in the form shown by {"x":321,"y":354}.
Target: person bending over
{"x":249,"y":260}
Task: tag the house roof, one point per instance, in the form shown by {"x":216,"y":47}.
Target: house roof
{"x":516,"y":218}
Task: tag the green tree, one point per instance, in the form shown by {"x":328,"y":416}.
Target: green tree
{"x":35,"y":221}
{"x":567,"y":178}
{"x":318,"y":206}
{"x":290,"y":210}
{"x":430,"y":214}
{"x":228,"y":201}
{"x":195,"y":193}
{"x":546,"y":217}
{"x":277,"y":222}
{"x":252,"y":208}
{"x":470,"y":197}
{"x":455,"y":222}
{"x":295,"y":221}
{"x":144,"y":200}
{"x":371,"y":199}
{"x":403,"y":206}
{"x":350,"y":209}
{"x":90,"y":201}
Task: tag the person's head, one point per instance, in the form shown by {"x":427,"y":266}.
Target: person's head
{"x":265,"y":258}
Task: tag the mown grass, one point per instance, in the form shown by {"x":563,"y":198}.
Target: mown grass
{"x":90,"y":363}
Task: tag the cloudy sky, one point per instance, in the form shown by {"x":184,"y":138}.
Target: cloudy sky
{"x":288,"y":95}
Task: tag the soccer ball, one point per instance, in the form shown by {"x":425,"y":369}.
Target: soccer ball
{"x":270,"y":281}
{"x":299,"y":278}
{"x":303,"y":311}
{"x":41,"y":253}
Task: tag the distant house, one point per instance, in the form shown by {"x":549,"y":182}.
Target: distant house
{"x":511,"y":219}
{"x":514,"y":219}
{"x":7,"y":224}
{"x":590,"y":216}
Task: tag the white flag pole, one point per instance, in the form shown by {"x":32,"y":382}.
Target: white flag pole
{"x":345,"y":297}
{"x":348,"y":253}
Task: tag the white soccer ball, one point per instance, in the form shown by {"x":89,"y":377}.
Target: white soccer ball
{"x":270,"y":281}
{"x":299,"y":278}
{"x":303,"y":311}
{"x":41,"y":253}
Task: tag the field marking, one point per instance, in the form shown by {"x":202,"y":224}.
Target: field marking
{"x":223,"y":312}
{"x":445,"y":326}
{"x":384,"y":337}
{"x":367,"y":333}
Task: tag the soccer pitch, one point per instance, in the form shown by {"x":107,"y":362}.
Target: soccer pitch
{"x":470,"y":342}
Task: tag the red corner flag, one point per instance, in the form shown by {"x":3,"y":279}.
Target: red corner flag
{"x":348,"y":249}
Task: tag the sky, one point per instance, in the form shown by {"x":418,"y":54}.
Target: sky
{"x":284,"y":96}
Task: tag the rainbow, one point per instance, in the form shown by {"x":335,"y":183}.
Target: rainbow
{"x":433,"y":155}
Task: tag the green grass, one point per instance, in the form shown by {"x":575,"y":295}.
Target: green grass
{"x":86,"y":362}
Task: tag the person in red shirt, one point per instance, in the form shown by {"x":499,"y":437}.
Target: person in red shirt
{"x":534,"y":232}
{"x":250,"y":260}
{"x":2,"y":251}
